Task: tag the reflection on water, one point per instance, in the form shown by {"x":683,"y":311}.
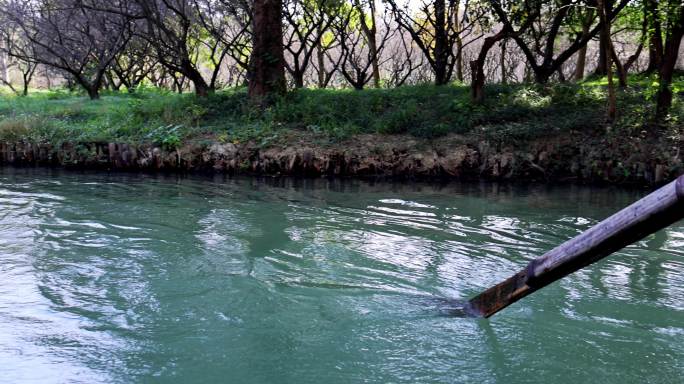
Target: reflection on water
{"x":128,"y":278}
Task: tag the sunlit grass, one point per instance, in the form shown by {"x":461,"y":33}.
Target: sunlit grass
{"x":510,"y":112}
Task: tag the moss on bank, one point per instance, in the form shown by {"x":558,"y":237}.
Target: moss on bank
{"x":575,"y":156}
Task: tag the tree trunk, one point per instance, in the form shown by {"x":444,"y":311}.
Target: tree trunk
{"x":561,"y":75}
{"x":26,"y":76}
{"x":602,"y":65}
{"x":632,"y":59}
{"x":93,"y":92}
{"x":459,"y":43}
{"x":675,"y":34}
{"x":116,"y":86}
{"x":459,"y":59}
{"x":4,"y":71}
{"x":441,"y":45}
{"x":320,"y":57}
{"x":267,"y":59}
{"x":502,"y":61}
{"x":48,"y":80}
{"x":607,"y":46}
{"x":373,"y":47}
{"x":202,"y":89}
{"x":541,"y":74}
{"x":178,"y":83}
{"x":370,"y":32}
{"x":298,"y":77}
{"x":477,"y":67}
{"x":620,"y":69}
{"x":477,"y":83}
{"x":581,"y":64}
{"x":582,"y":53}
{"x":664,"y":96}
{"x":91,"y":87}
{"x":655,"y":46}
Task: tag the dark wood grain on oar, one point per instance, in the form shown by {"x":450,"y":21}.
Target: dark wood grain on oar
{"x":646,"y":216}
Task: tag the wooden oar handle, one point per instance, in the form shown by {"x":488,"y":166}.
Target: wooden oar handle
{"x":653,"y":212}
{"x":650,"y":214}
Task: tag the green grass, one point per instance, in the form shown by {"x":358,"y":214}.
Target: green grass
{"x":511,"y":112}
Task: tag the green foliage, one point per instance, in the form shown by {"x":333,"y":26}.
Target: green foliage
{"x":168,"y":119}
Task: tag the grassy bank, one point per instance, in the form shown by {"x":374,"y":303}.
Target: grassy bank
{"x":512,"y":112}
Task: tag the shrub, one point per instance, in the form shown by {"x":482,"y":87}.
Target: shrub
{"x":427,"y":111}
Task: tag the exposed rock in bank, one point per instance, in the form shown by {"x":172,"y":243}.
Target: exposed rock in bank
{"x":573,"y":156}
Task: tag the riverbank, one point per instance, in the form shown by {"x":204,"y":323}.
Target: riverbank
{"x":522,"y":133}
{"x":575,"y":156}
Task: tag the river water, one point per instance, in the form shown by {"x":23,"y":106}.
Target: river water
{"x":159,"y":279}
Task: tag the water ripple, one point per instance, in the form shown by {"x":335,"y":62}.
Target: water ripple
{"x":127,"y":278}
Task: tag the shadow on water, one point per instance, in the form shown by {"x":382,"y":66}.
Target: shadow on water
{"x":459,"y":309}
{"x":456,"y":308}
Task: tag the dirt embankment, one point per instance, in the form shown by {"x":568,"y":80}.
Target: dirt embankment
{"x":574,"y":156}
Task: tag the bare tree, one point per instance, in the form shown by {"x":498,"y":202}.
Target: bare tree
{"x":66,"y":36}
{"x":328,"y":59}
{"x":305,"y":24}
{"x":551,"y":16}
{"x":440,"y":31}
{"x":133,"y":64}
{"x":623,"y":67}
{"x":327,"y":63}
{"x":507,"y":30}
{"x":229,"y":24}
{"x":357,"y":56}
{"x":403,"y":59}
{"x":367,"y":20}
{"x":173,"y":28}
{"x":26,"y":68}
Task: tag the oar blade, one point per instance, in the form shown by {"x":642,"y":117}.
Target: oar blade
{"x":500,"y":296}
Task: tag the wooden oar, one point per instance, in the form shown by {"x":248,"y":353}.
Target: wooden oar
{"x":648,"y":215}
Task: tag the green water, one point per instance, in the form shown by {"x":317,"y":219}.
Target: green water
{"x":129,"y":278}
